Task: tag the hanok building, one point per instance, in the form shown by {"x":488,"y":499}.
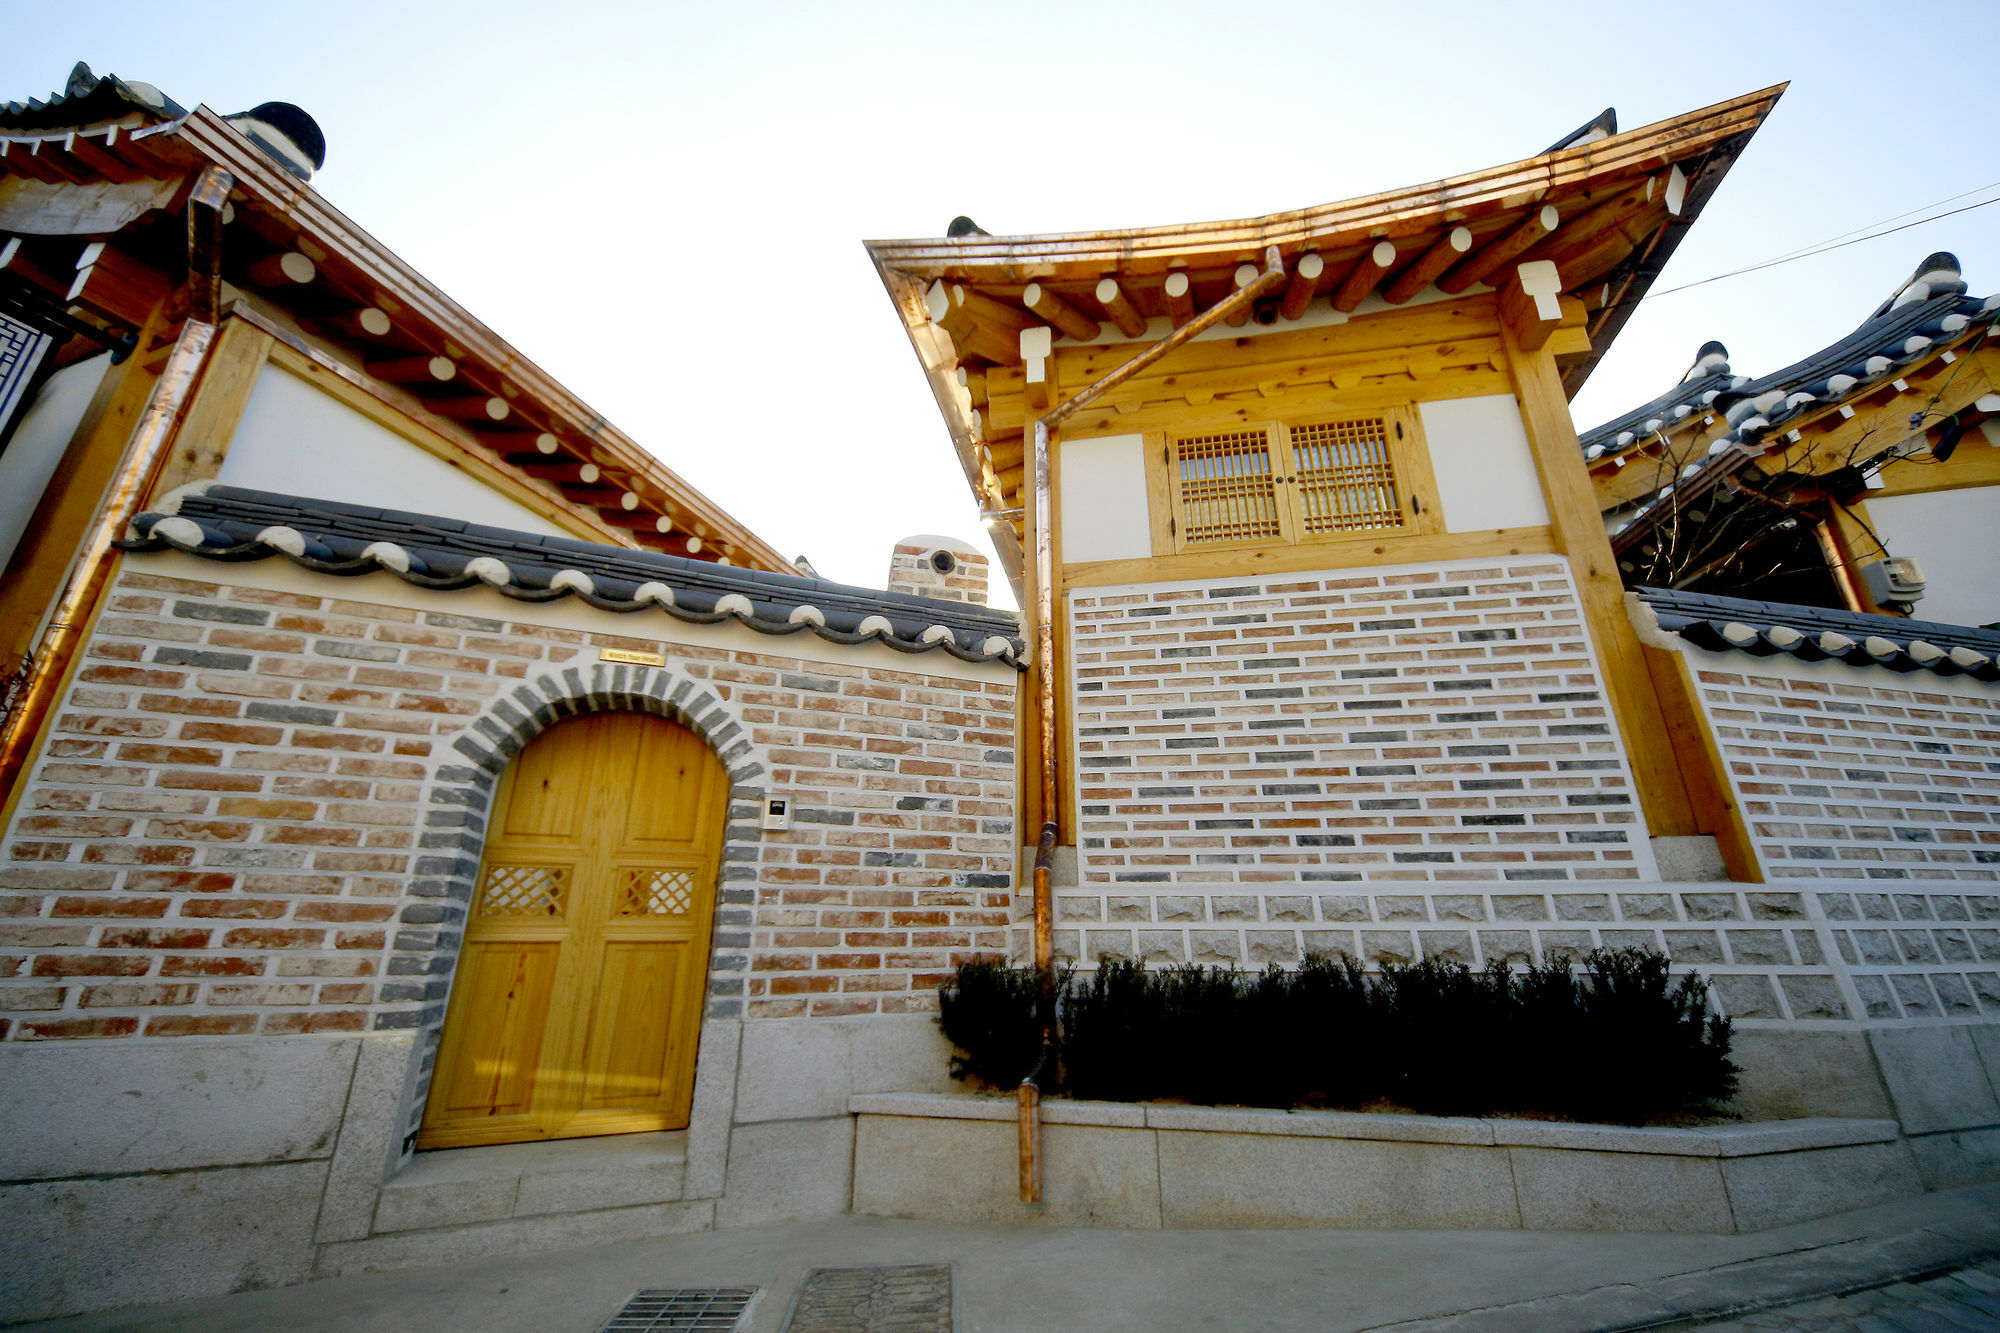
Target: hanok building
{"x":362,"y":664}
{"x":1816,"y":483}
{"x":404,"y":759}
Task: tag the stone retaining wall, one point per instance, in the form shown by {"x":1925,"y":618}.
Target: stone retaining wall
{"x":953,"y":1158}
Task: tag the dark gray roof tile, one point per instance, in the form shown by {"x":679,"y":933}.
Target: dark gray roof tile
{"x":231,"y":523}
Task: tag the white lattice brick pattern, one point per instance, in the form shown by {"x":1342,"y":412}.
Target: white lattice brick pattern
{"x":1443,"y":723}
{"x":1848,"y":772}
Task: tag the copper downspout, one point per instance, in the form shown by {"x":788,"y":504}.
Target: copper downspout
{"x":1030,"y":1096}
{"x":144,"y":453}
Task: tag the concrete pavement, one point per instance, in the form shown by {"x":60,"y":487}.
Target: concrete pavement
{"x":1023,"y":1279}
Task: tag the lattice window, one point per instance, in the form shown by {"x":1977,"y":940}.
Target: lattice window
{"x":656,"y":892}
{"x":523,"y":891}
{"x":1228,"y":488}
{"x":1346,"y":478}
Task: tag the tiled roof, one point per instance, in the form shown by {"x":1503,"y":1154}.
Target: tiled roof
{"x":1929,"y":311}
{"x":1813,"y":633}
{"x":233,"y":524}
{"x":89,"y":100}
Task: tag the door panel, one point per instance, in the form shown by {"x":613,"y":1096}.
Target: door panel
{"x":508,"y":983}
{"x":578,"y":1001}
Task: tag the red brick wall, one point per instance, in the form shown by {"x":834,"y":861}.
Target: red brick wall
{"x":233,"y":825}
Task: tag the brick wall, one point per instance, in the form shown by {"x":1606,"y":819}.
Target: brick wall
{"x":1852,"y":773}
{"x":1439,"y":724}
{"x":231,"y":829}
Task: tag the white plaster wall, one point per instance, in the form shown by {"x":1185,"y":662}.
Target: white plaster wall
{"x":38,"y":444}
{"x":1486,"y":474}
{"x":298,"y":441}
{"x":1955,"y":536}
{"x":1104,"y":499}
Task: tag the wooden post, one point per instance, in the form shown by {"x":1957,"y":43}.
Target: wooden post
{"x":1303,"y":286}
{"x":1047,"y":305}
{"x":1245,"y":275}
{"x":1180,"y":297}
{"x":1362,"y":278}
{"x":1579,"y":534}
{"x":1432,"y":262}
{"x":1118,"y":308}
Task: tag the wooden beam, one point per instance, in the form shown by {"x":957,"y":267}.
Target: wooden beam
{"x":1477,"y":265}
{"x":1531,"y":304}
{"x":479,"y":411}
{"x":1432,"y":262}
{"x":1579,"y":534}
{"x":1361,"y":279}
{"x":357,"y":325}
{"x":1303,"y":285}
{"x":1179,"y":290}
{"x":227,"y":379}
{"x":115,"y":285}
{"x":1244,"y":276}
{"x":1118,"y":308}
{"x":1702,"y":766}
{"x":287,"y":269}
{"x":569,"y":472}
{"x":424,"y":370}
{"x":1047,"y":305}
{"x":974,"y":384}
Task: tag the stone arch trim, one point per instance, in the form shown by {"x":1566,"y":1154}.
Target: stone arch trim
{"x":431,"y":926}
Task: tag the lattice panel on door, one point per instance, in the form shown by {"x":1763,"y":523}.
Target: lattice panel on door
{"x":1228,"y":491}
{"x":1346,"y":478}
{"x":506,"y":890}
{"x":654,"y":892}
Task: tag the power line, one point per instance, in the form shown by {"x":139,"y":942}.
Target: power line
{"x":1893,"y":217}
{"x":1823,"y":248}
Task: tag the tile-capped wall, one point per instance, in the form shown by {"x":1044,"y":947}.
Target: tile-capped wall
{"x":1847,"y":772}
{"x":1435,"y":724}
{"x":256,"y":808}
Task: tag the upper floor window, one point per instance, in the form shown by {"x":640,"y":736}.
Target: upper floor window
{"x":1285,"y":482}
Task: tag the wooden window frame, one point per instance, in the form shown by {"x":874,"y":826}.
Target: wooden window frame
{"x":1409,"y":461}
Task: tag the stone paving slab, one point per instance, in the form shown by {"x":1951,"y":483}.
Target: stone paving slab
{"x":1030,"y":1280}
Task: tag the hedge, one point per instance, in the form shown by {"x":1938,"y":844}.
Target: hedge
{"x":1623,"y":1040}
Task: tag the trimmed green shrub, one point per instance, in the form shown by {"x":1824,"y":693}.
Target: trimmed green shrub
{"x":988,"y":1012}
{"x":1624,"y":1040}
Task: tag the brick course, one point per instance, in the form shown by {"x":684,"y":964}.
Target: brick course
{"x":1426,"y":724}
{"x":261,"y":811}
{"x":1859,"y":774}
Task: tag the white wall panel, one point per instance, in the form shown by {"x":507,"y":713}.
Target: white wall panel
{"x":1104,"y":499}
{"x":298,"y":441}
{"x":1485,"y":471}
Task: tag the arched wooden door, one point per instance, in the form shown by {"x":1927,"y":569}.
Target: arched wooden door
{"x":578,"y":1000}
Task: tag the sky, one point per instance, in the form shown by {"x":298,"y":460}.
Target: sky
{"x":663,"y":204}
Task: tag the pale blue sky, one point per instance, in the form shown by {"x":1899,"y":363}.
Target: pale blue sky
{"x":663,"y":204}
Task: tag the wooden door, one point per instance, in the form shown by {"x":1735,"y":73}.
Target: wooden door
{"x":578,"y":1000}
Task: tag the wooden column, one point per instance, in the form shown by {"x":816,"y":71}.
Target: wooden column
{"x":1579,"y":534}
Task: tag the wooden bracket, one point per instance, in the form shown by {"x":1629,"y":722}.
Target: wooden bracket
{"x":1531,"y":303}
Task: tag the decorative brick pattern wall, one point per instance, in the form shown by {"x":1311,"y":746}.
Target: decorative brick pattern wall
{"x":1918,"y":954}
{"x":259,"y":812}
{"x":1790,"y":953}
{"x":1763,"y":951}
{"x":1435,"y":724}
{"x":1846,"y":773}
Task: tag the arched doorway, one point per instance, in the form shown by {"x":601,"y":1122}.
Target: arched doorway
{"x":578,"y":997}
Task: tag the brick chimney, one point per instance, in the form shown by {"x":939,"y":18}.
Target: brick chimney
{"x":938,"y":567}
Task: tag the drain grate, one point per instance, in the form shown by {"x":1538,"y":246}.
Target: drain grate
{"x":682,"y":1310}
{"x":908,"y":1298}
